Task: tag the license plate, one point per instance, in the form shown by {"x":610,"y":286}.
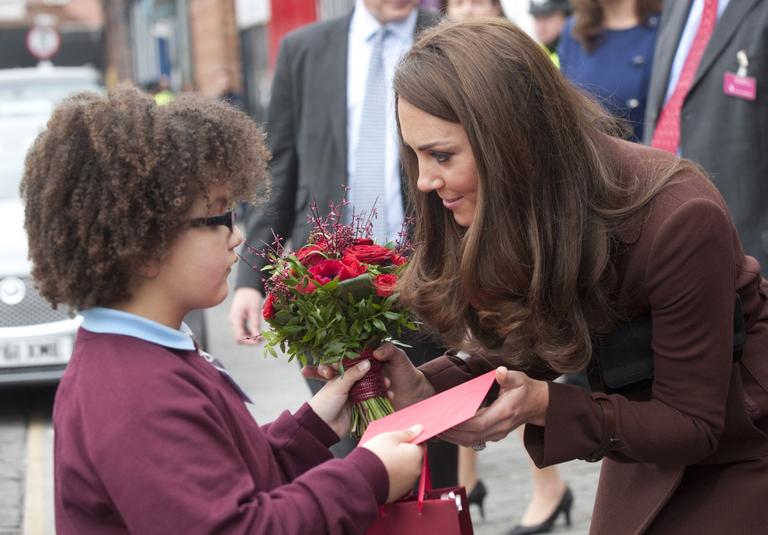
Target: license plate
{"x":15,"y":353}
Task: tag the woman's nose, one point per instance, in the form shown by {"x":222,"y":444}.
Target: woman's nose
{"x":428,"y":182}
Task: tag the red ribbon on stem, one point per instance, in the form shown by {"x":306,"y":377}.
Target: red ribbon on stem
{"x":372,"y":383}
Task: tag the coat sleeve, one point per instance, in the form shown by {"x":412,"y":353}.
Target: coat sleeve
{"x":277,"y":216}
{"x":689,"y":279}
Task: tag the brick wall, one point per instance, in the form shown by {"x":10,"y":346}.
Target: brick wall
{"x":213,"y":34}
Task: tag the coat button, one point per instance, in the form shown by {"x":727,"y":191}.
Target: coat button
{"x":633,"y":103}
{"x":638,"y":60}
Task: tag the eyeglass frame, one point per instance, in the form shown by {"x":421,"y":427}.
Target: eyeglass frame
{"x":226,"y":219}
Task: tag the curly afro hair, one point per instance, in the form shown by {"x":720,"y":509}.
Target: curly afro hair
{"x":109,"y":184}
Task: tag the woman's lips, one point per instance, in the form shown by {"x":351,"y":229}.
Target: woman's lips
{"x":450,"y":204}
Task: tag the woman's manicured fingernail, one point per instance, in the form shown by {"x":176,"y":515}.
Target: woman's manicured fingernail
{"x":363,"y":366}
{"x":322,"y":370}
{"x":378,"y":353}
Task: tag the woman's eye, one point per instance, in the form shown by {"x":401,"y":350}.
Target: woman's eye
{"x":441,"y":157}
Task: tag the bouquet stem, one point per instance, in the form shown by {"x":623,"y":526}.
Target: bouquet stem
{"x":368,"y":396}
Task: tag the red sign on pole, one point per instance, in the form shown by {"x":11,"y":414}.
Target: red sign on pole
{"x":43,"y":41}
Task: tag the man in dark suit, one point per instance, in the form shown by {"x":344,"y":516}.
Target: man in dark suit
{"x":314,"y":123}
{"x":723,"y":123}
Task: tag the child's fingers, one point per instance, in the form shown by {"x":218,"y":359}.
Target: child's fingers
{"x":406,"y":435}
{"x":311,"y":372}
{"x":351,"y":375}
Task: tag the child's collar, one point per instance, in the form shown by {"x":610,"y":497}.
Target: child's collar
{"x":111,"y":321}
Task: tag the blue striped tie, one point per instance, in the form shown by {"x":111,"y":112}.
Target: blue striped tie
{"x":368,"y":187}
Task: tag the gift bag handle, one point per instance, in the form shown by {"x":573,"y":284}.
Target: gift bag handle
{"x":425,"y":481}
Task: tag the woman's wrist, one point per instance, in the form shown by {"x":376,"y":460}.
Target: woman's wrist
{"x":540,"y":402}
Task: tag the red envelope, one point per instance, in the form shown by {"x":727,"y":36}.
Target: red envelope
{"x":438,"y":413}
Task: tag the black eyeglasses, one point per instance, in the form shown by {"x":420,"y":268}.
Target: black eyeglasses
{"x":227,"y":219}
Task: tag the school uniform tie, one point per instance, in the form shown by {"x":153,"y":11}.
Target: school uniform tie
{"x":666,"y":136}
{"x":368,"y":188}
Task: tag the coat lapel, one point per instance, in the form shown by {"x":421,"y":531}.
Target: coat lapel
{"x":724,"y":30}
{"x":332,"y":63}
{"x":673,"y":20}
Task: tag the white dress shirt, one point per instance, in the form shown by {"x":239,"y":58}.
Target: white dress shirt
{"x":396,"y":43}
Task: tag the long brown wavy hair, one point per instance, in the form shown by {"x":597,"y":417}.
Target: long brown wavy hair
{"x":588,"y":19}
{"x":108,"y":186}
{"x":531,"y":277}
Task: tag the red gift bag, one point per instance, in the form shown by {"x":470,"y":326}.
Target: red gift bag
{"x":440,"y":511}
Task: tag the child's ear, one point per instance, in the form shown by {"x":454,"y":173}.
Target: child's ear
{"x":149,"y":269}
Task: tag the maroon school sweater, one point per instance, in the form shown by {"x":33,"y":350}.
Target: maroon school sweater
{"x":155,"y":440}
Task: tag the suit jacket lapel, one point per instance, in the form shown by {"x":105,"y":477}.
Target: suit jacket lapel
{"x":724,"y":30}
{"x":332,"y":63}
{"x":675,"y":16}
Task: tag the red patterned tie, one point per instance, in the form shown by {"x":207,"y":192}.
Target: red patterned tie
{"x":666,"y":136}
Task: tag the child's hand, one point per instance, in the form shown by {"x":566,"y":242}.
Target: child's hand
{"x":402,"y":460}
{"x":330,"y":403}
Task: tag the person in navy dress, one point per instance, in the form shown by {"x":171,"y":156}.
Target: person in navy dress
{"x":607,"y":50}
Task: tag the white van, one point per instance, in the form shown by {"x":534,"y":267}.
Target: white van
{"x":35,"y":340}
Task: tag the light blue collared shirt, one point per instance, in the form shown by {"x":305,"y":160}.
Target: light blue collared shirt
{"x":110,"y":321}
{"x":686,"y":40}
{"x":397,"y":42}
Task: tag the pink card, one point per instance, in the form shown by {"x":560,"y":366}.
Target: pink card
{"x":744,"y":87}
{"x":438,"y":413}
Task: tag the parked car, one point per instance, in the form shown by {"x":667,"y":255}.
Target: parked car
{"x":46,"y":82}
{"x":35,"y":340}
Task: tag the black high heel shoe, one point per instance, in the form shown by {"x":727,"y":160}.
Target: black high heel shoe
{"x":564,"y":506}
{"x":477,"y":496}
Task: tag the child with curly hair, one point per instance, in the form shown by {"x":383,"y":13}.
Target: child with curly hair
{"x":130,"y":223}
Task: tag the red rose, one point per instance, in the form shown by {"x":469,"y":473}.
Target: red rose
{"x":327,"y":270}
{"x":370,"y":254}
{"x":362,"y":241}
{"x":268,"y":310}
{"x":385,"y":284}
{"x":352,"y":268}
{"x":398,"y":260}
{"x":310,"y":255}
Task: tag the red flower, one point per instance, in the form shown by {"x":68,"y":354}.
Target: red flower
{"x":268,"y":310}
{"x":370,"y":254}
{"x":327,"y":270}
{"x":310,"y":255}
{"x":306,"y":286}
{"x":385,"y":284}
{"x":398,"y":260}
{"x":352,"y":268}
{"x":362,"y":241}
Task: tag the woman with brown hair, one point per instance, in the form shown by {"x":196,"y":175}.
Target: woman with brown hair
{"x":607,"y":50}
{"x":552,"y":242}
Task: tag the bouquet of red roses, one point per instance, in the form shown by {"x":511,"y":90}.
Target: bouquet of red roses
{"x":333,"y":302}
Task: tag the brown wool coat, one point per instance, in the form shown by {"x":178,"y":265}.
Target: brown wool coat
{"x":690,"y":454}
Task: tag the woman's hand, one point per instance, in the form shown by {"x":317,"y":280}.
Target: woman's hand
{"x":521,"y":400}
{"x":407,"y":385}
{"x":330,"y":403}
